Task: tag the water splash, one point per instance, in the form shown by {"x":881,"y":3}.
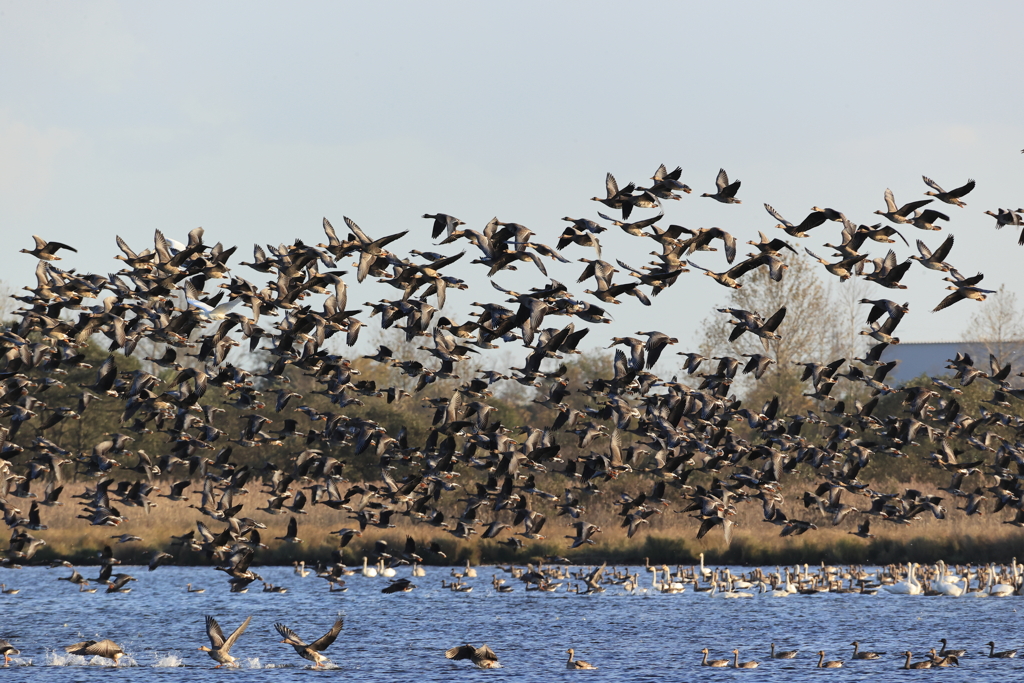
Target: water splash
{"x":170,"y":659}
{"x":55,"y":658}
{"x":251,"y":663}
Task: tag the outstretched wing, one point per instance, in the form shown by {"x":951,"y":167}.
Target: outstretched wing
{"x":237,"y":632}
{"x":324,"y":642}
{"x":460,"y":652}
{"x":289,"y":635}
{"x":214,"y":632}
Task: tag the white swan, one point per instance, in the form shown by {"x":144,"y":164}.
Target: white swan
{"x":669,"y":585}
{"x":418,"y":570}
{"x":909,"y":586}
{"x":385,"y":571}
{"x":715,"y":593}
{"x":367,"y":570}
{"x":998,"y":590}
{"x":775,"y":592}
{"x":737,"y":583}
{"x":704,"y":571}
{"x":943,"y":586}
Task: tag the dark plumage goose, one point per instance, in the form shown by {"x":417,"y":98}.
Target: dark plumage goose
{"x":47,"y":251}
{"x":925,"y":220}
{"x":666,"y":183}
{"x":221,"y":650}
{"x":443,"y":223}
{"x":1005,"y":654}
{"x":822,"y":664}
{"x":945,"y":651}
{"x":813,"y":220}
{"x":726,"y":191}
{"x":916,"y":665}
{"x":107,"y":649}
{"x":616,"y":198}
{"x":935,"y":260}
{"x":482,"y":656}
{"x":902,"y":214}
{"x":960,"y":293}
{"x":312,"y":650}
{"x":951,"y":197}
{"x":783,"y":654}
{"x":857,"y":654}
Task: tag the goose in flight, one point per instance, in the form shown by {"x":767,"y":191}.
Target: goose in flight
{"x":482,"y":656}
{"x":107,"y":649}
{"x":47,"y":251}
{"x":813,"y":220}
{"x":726,"y":191}
{"x":220,"y":652}
{"x":312,"y":650}
{"x":951,"y":197}
{"x":902,"y":214}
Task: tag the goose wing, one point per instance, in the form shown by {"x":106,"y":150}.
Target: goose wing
{"x":461,"y":651}
{"x":722,"y":181}
{"x":214,"y":632}
{"x":104,"y":648}
{"x":777,"y":216}
{"x":610,"y":185}
{"x":942,"y":252}
{"x":356,"y":230}
{"x":236,"y":633}
{"x":325,"y":641}
{"x":932,"y":184}
{"x":926,"y":253}
{"x":962,"y":190}
{"x":485,"y":653}
{"x":290,"y":636}
{"x":890,"y":201}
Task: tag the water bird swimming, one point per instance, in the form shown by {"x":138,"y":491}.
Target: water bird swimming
{"x":576,"y":664}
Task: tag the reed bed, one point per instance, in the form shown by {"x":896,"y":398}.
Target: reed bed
{"x":668,"y":539}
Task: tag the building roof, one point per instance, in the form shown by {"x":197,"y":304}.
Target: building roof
{"x":931,"y":358}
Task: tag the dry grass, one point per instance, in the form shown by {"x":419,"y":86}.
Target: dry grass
{"x":668,"y":539}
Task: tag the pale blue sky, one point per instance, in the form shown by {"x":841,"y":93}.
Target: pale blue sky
{"x":256,"y":120}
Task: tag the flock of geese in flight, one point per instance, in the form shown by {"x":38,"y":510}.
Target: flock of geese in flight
{"x":635,"y":426}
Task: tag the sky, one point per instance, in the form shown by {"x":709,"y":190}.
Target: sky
{"x":257,"y":120}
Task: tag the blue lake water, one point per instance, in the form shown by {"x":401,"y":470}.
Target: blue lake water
{"x":402,"y":637}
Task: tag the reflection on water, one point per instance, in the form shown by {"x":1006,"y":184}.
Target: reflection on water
{"x":648,"y":637}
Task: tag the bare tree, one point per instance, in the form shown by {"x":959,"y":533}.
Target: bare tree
{"x":815,"y":328}
{"x":6,"y":302}
{"x":998,"y":325}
